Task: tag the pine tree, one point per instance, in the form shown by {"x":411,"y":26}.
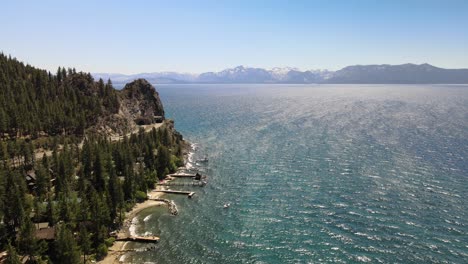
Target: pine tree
{"x":12,"y":255}
{"x":3,"y":122}
{"x":64,"y":208}
{"x":2,"y":195}
{"x":27,"y":241}
{"x":42,"y":181}
{"x":67,"y":251}
{"x":87,"y":159}
{"x":163,"y":159}
{"x":59,"y":75}
{"x":129,"y":184}
{"x":84,"y":241}
{"x":64,"y":73}
{"x":99,"y":177}
{"x":115,"y":193}
{"x":51,"y":212}
{"x":101,"y":87}
{"x":4,"y":157}
{"x":13,"y":200}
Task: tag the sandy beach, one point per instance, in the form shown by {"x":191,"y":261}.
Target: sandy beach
{"x":116,"y":250}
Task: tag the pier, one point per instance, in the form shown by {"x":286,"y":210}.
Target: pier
{"x":141,"y":239}
{"x":121,"y":251}
{"x":182,"y":175}
{"x":193,"y":183}
{"x":197,"y":176}
{"x":188,"y":193}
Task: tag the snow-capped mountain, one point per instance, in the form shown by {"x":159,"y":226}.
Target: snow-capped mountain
{"x":243,"y":74}
{"x":238,"y":74}
{"x":405,"y":73}
{"x":281,"y":73}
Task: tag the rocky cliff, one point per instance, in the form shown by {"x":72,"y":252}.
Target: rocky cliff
{"x":140,"y":102}
{"x":139,"y":105}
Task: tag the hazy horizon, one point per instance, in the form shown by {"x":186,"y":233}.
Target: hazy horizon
{"x":271,"y":68}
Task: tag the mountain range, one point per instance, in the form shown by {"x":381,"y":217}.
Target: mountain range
{"x":358,"y":74}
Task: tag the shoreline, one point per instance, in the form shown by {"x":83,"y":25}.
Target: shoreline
{"x":117,"y":250}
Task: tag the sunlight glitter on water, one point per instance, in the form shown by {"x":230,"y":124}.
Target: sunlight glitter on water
{"x":320,"y":174}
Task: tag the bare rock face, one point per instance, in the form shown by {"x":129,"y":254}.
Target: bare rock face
{"x":141,"y":103}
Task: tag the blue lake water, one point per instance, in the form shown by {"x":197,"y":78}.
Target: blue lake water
{"x":319,"y":174}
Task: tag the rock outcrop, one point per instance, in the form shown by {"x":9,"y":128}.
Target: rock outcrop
{"x":139,"y":104}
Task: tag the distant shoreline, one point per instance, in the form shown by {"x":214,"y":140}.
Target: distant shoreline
{"x":408,"y":73}
{"x":119,"y":86}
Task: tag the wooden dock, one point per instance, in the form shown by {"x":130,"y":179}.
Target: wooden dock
{"x":190,"y":194}
{"x":197,"y":176}
{"x":192,"y":183}
{"x":149,"y":239}
{"x":182,"y":175}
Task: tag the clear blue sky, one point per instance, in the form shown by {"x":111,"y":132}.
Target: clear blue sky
{"x":197,"y":36}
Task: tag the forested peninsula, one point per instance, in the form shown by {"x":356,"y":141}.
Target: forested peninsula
{"x":75,"y":155}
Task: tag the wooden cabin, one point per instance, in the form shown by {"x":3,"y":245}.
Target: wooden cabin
{"x":45,"y":232}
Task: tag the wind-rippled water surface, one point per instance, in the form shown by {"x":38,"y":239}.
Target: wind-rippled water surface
{"x":319,"y":174}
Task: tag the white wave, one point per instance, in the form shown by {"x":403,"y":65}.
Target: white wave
{"x":344,"y":227}
{"x":361,"y":234}
{"x":363,"y":259}
{"x":340,"y":205}
{"x":147,"y":218}
{"x":122,"y":258}
{"x":189,"y":162}
{"x":188,"y":165}
{"x":190,"y":156}
{"x":133,"y":226}
{"x":354,"y":213}
{"x":412,"y":224}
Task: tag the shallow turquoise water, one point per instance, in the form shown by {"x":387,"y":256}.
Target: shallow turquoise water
{"x":319,"y":174}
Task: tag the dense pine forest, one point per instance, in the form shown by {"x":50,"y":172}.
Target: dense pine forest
{"x":35,"y":101}
{"x":55,"y":171}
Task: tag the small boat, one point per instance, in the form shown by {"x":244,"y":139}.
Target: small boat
{"x":226,"y":205}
